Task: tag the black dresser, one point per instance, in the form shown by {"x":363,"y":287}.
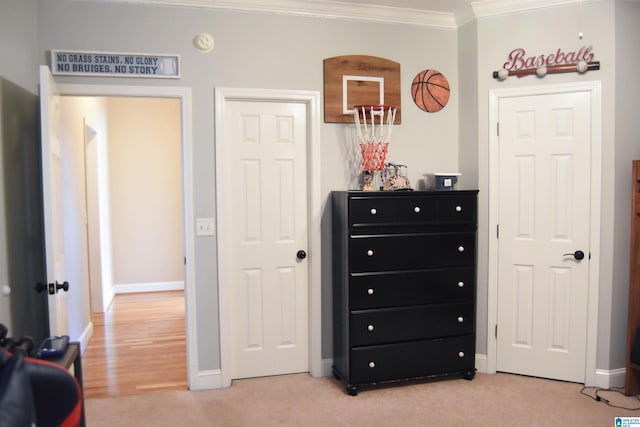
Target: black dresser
{"x":404,"y":286}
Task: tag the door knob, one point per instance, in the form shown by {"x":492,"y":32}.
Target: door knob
{"x":577,"y":255}
{"x":301,"y":254}
{"x":55,"y":287}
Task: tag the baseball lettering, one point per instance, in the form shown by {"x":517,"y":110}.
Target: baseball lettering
{"x":518,"y":59}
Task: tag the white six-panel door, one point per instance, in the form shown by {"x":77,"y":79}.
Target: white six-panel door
{"x":265,"y":152}
{"x":544,"y":205}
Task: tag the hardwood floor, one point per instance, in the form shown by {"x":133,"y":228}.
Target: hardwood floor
{"x":138,"y":346}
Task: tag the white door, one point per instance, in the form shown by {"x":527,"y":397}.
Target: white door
{"x":52,"y":203}
{"x":544,"y":204}
{"x":265,"y":200}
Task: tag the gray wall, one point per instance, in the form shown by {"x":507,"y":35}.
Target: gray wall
{"x":262,"y":51}
{"x":18,"y":43}
{"x":276,"y":51}
{"x":541,"y":32}
{"x":627,"y":148}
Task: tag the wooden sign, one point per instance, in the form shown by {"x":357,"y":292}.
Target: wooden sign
{"x":356,"y":80}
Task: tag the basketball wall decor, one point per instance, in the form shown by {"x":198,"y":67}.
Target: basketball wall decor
{"x":430,"y":90}
{"x":359,"y":80}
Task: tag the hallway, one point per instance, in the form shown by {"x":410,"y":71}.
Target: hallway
{"x":138,"y":346}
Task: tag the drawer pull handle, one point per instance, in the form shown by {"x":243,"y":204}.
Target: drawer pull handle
{"x":370,"y":328}
{"x":458,"y":208}
{"x":461,"y":284}
{"x":372,"y":365}
{"x":370,"y":291}
{"x":370,"y":252}
{"x":460,"y":249}
{"x":461,"y":354}
{"x":416,"y":209}
{"x":374,"y":211}
{"x":460,"y":319}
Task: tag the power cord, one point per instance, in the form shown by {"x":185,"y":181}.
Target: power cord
{"x":598,"y":398}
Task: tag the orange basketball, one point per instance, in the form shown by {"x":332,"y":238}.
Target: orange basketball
{"x":430,"y":90}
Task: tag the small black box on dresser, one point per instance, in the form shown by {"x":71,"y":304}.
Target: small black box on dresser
{"x":404,"y":286}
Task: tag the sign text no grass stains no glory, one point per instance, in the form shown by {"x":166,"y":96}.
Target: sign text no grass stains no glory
{"x":107,"y":64}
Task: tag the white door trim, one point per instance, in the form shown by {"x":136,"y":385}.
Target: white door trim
{"x":195,"y":381}
{"x":312,"y":100}
{"x":594,"y":88}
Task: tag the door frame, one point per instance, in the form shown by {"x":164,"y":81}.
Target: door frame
{"x":594,"y":89}
{"x":311,"y":99}
{"x":184,"y":95}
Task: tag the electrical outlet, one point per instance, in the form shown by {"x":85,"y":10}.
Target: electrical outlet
{"x":205,"y":227}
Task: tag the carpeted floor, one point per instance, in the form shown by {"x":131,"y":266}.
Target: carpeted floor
{"x":300,"y":400}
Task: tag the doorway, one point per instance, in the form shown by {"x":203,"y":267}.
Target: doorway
{"x":133,"y":214}
{"x":183,"y":95}
{"x":545,"y":199}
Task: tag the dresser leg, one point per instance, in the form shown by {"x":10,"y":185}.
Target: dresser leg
{"x":469,"y":375}
{"x":352,"y":390}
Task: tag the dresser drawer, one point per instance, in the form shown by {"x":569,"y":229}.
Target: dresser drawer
{"x":370,"y":210}
{"x":394,"y":210}
{"x":391,"y":210}
{"x":411,"y":251}
{"x":412,"y":359}
{"x":402,"y":288}
{"x":389,"y":325}
{"x":457,"y":209}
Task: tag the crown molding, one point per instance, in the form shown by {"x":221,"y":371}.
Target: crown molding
{"x":484,"y":8}
{"x":365,"y":13}
{"x":311,"y":8}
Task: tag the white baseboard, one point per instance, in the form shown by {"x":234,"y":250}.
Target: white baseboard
{"x":604,"y":378}
{"x":124,"y":288}
{"x":206,"y":380}
{"x":609,"y":379}
{"x":481,"y":363}
{"x":325,"y":367}
{"x":85,"y":336}
{"x":212,"y":379}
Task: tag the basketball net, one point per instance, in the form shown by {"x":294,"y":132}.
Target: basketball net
{"x":373,"y":132}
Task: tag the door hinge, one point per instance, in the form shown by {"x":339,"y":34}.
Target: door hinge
{"x":185,"y":260}
{"x":497,"y":231}
{"x":496,"y":331}
{"x":498,"y":128}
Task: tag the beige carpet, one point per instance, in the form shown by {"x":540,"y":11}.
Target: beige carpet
{"x":300,"y":400}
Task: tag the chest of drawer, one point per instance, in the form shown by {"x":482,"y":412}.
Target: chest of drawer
{"x":411,"y":251}
{"x":407,"y":360}
{"x":388,"y":325}
{"x":403,"y":288}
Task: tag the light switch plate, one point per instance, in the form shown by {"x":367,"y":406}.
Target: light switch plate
{"x":205,"y":227}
